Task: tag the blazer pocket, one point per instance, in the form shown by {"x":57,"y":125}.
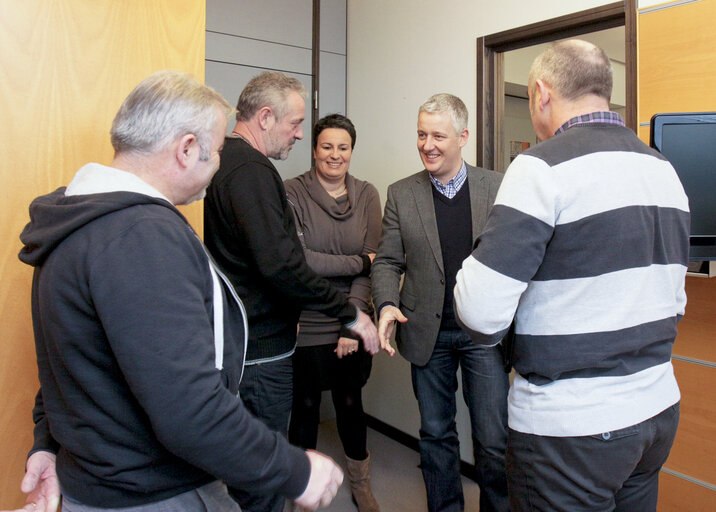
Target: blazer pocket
{"x":407,"y":301}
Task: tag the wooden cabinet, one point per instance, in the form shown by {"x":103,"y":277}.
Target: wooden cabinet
{"x":677,"y":73}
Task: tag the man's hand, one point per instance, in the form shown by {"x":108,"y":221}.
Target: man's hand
{"x":323,"y":483}
{"x":346,"y":347}
{"x":365,"y":329}
{"x":40,"y":484}
{"x":386,"y":324}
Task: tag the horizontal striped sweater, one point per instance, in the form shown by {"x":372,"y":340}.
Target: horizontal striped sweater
{"x":586,"y":249}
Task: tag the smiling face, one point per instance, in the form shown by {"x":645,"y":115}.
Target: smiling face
{"x":439,"y":145}
{"x":287,"y":130}
{"x":333,"y":154}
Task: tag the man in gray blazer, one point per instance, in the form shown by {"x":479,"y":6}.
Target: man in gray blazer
{"x":431,"y":220}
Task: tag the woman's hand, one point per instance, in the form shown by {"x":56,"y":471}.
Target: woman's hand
{"x":346,"y":347}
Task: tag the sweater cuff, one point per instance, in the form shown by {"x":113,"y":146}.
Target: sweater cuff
{"x":345,"y":332}
{"x":349,"y":315}
{"x":300,"y":473}
{"x":386,"y":303}
{"x":43,"y":440}
{"x":366,"y":265}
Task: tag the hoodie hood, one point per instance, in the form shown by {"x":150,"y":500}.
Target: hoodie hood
{"x":53,"y":217}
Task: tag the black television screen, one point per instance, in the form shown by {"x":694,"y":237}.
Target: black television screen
{"x":688,"y":141}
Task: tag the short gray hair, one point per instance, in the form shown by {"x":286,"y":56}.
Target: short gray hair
{"x":574,"y":68}
{"x":164,"y":106}
{"x":444,"y":103}
{"x":269,"y":89}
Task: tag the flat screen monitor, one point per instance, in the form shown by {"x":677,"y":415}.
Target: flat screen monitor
{"x":688,"y":141}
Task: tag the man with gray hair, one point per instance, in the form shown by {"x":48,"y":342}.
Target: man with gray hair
{"x":586,"y":249}
{"x":250,"y":230}
{"x":139,"y":337}
{"x":431,"y":220}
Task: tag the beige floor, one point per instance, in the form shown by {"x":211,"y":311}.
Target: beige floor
{"x":397,"y":481}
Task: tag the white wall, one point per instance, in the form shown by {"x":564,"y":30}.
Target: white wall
{"x":399,"y":53}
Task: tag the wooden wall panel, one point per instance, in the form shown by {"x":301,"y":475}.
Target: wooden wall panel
{"x":679,"y":495}
{"x":66,"y":67}
{"x":697,"y":330}
{"x":694,"y":450}
{"x":677,"y":70}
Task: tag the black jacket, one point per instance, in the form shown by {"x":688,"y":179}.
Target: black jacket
{"x":130,"y":399}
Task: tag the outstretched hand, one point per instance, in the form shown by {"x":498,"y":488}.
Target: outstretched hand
{"x":386,"y":324}
{"x":40,"y":484}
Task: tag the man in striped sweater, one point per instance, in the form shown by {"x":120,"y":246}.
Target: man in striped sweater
{"x":586,"y":250}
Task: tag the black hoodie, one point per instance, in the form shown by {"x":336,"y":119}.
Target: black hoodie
{"x":130,"y":399}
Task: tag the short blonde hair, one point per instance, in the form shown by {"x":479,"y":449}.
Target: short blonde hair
{"x":444,"y":103}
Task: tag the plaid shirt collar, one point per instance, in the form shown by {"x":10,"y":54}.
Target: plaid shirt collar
{"x":593,"y":117}
{"x":452,"y":187}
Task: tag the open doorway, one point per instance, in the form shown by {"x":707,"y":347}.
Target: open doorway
{"x":493,"y":150}
{"x":517,"y":130}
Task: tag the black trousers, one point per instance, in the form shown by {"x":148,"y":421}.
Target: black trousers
{"x":317,"y":369}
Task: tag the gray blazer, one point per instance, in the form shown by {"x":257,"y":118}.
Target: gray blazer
{"x":410,"y":245}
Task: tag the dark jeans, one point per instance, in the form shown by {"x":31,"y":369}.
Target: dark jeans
{"x":616,"y":470}
{"x":485,"y":386}
{"x":266,"y":390}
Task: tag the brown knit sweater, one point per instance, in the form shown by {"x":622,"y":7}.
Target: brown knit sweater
{"x":335,"y":233}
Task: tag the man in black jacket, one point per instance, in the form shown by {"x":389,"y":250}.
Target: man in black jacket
{"x":250,"y":230}
{"x":139,"y":337}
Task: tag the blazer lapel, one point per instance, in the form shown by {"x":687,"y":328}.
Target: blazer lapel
{"x":423,"y":192}
{"x":479,"y":200}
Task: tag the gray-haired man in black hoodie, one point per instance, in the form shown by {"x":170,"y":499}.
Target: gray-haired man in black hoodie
{"x":140,"y":339}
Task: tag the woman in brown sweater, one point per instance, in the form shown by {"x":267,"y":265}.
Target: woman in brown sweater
{"x":338,"y":219}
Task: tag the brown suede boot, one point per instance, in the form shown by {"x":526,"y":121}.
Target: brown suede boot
{"x":358,"y":472}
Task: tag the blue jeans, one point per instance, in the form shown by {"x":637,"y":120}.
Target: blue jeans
{"x":484,"y":385}
{"x":617,"y":471}
{"x":267,"y":390}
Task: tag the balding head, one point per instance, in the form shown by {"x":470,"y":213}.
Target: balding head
{"x":574,"y":69}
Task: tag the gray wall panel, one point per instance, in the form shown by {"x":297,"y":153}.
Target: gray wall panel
{"x":332,"y":84}
{"x":250,"y":52}
{"x":287,"y":22}
{"x":333,"y":26}
{"x":230,"y":79}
